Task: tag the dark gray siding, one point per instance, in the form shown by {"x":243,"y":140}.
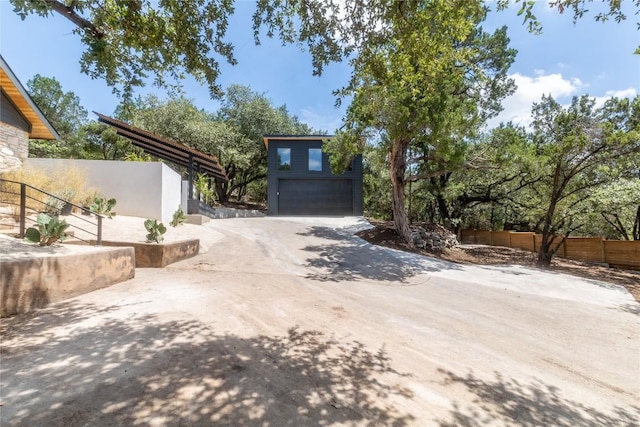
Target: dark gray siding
{"x":302,"y":192}
{"x":10,"y":115}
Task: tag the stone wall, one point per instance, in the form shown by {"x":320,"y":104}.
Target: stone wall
{"x":14,"y":147}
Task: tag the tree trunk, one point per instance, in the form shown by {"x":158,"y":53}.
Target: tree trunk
{"x":445,"y":216}
{"x":545,"y":254}
{"x":221,"y":191}
{"x":397,"y":169}
{"x":636,"y":226}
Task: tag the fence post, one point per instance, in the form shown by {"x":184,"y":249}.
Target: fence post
{"x":99,"y":237}
{"x":533,"y":246}
{"x":603,"y":254}
{"x":510,"y":232}
{"x":23,"y":207}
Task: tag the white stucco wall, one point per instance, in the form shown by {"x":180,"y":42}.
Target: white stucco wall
{"x":143,"y":189}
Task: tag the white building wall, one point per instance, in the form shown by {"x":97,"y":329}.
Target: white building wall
{"x":171,"y":192}
{"x":143,"y":189}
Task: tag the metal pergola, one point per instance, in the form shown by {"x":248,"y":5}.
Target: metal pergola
{"x":167,"y":149}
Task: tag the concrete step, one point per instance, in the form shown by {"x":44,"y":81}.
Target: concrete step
{"x":197,"y":219}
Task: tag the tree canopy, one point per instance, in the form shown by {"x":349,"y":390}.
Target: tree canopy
{"x":424,"y":89}
{"x":65,"y":113}
{"x":128,"y":41}
{"x":233,"y":133}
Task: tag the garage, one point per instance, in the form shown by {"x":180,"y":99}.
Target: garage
{"x":300,"y":180}
{"x":315,"y":197}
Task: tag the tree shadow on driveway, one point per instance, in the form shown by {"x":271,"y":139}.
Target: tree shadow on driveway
{"x":68,"y":370}
{"x":504,"y":401}
{"x":346,"y":257}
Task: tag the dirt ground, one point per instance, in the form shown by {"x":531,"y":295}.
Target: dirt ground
{"x":384,"y":234}
{"x":296,"y":322}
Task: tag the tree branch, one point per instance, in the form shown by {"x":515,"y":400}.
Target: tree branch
{"x":70,"y":13}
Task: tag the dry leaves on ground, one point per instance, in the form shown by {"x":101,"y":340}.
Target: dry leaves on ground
{"x":384,"y":234}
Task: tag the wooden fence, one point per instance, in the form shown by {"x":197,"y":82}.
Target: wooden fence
{"x":616,"y":253}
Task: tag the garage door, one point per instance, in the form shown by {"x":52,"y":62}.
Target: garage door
{"x":315,"y":197}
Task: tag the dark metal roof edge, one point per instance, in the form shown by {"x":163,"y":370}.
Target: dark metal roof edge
{"x":174,"y":158}
{"x":287,"y":136}
{"x":118,"y":124}
{"x":267,"y":138}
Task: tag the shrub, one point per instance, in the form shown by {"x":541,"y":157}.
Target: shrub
{"x":50,"y":230}
{"x":205,"y":193}
{"x":178,"y":217}
{"x":102,"y":206}
{"x":155,"y":230}
{"x":67,"y":183}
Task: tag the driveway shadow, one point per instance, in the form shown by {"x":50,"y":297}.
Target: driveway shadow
{"x":504,"y":401}
{"x":347,"y":257}
{"x":143,"y":371}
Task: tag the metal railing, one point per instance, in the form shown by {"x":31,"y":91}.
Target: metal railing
{"x":31,"y":200}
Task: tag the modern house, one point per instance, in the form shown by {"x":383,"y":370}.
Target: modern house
{"x":300,"y":181}
{"x":20,"y":120}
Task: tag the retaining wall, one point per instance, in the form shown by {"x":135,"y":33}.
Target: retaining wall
{"x":28,"y":283}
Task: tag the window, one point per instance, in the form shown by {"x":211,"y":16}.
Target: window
{"x":284,"y":159}
{"x":315,"y":159}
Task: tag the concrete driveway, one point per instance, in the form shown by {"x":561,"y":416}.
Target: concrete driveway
{"x":295,"y":322}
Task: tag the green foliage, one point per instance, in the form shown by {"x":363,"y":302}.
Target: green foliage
{"x":53,"y":205}
{"x":102,"y":142}
{"x":203,"y":189}
{"x":252,"y":115}
{"x":580,"y":148}
{"x":376,"y":185}
{"x":612,"y":210}
{"x":62,"y":109}
{"x":64,"y":112}
{"x":138,"y":157}
{"x":424,"y":88}
{"x":103,"y":206}
{"x":126,"y":40}
{"x":155,"y":230}
{"x":613,"y":10}
{"x":178,"y":218}
{"x":233,"y":135}
{"x":575,"y":172}
{"x":50,"y":230}
{"x":341,"y":149}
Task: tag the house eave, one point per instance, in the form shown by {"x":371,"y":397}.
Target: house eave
{"x":16,"y":93}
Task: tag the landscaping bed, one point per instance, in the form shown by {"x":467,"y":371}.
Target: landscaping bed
{"x":384,"y":234}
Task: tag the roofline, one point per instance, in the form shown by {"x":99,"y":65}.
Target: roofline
{"x":267,"y":138}
{"x":25,"y":95}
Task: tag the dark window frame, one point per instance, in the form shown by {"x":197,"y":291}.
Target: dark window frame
{"x":283,"y":166}
{"x":316,"y":151}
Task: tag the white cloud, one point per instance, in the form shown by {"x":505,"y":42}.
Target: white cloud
{"x":624,"y":93}
{"x":517,"y":107}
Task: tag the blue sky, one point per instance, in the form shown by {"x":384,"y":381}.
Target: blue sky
{"x":566,"y":60}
